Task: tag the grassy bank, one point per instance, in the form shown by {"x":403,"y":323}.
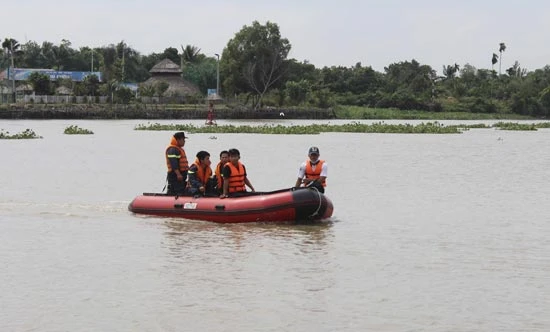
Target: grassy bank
{"x":199,"y":111}
{"x":357,"y":112}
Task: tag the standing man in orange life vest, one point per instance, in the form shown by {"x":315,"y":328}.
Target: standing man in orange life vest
{"x":177,"y":164}
{"x":313,"y":172}
{"x":234,"y":175}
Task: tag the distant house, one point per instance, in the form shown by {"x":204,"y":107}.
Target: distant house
{"x":169,"y":72}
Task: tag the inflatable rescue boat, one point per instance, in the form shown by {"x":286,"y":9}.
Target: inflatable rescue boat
{"x":285,"y":205}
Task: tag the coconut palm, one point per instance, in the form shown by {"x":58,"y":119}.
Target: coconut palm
{"x":501,"y":49}
{"x":11,"y":47}
{"x":494,"y":60}
{"x":190,"y":54}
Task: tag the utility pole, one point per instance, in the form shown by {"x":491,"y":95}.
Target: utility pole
{"x":122,"y":62}
{"x":13,"y":92}
{"x":92,"y":60}
{"x":218,"y":76}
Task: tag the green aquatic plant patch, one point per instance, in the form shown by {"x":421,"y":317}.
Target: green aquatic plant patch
{"x":26,"y":134}
{"x":76,"y":130}
{"x":353,"y":127}
{"x":515,"y":126}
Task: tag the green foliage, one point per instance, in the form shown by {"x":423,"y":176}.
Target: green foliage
{"x":26,"y":134}
{"x":161,"y":87}
{"x":514,"y":126}
{"x":297,"y":91}
{"x":254,"y":66}
{"x":146,"y":90}
{"x":76,"y":130}
{"x":91,"y":84}
{"x":323,"y":98}
{"x":201,"y":72}
{"x":191,"y":54}
{"x":40,"y":83}
{"x":123,"y":95}
{"x":253,"y":61}
{"x":354,"y":127}
{"x":357,"y":112}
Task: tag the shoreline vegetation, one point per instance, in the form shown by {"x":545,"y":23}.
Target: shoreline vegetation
{"x":314,"y":129}
{"x":199,"y":111}
{"x":131,"y":85}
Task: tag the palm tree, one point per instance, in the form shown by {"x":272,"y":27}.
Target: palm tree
{"x":501,"y":49}
{"x":494,"y":60}
{"x":190,"y":54}
{"x":11,"y":47}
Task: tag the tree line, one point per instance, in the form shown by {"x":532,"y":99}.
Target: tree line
{"x":254,"y":66}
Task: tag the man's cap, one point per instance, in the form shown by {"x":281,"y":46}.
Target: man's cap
{"x":313,"y":150}
{"x":180,"y":134}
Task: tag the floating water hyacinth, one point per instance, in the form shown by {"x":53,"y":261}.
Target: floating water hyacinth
{"x":26,"y":134}
{"x":75,"y":130}
{"x":353,"y":127}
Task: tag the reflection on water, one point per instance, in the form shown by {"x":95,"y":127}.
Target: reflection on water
{"x":186,"y":235}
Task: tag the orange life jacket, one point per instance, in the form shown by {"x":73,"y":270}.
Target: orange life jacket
{"x":203,"y":173}
{"x":219,"y":175}
{"x":315,"y":174}
{"x":183,"y":164}
{"x":236,"y":179}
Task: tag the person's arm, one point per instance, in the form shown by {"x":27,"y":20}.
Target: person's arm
{"x":174,"y":156}
{"x":301,"y":174}
{"x":226,"y":172}
{"x":247,"y":182}
{"x":194,"y":183}
{"x":323,"y":175}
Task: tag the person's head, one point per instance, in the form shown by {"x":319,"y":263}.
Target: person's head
{"x":234,"y":155}
{"x":313,"y":153}
{"x":224,"y":156}
{"x":203,"y":157}
{"x":180,"y":138}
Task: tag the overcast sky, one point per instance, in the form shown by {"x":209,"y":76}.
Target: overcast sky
{"x":325,"y":33}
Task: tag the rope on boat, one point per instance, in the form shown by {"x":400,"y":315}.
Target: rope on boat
{"x":320,"y":203}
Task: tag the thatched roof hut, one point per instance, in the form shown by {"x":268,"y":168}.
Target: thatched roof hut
{"x":169,"y":72}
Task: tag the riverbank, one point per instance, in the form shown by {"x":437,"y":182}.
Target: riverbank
{"x":154,"y":112}
{"x":199,"y":112}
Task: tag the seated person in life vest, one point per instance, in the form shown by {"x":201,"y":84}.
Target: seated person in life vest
{"x":313,"y":171}
{"x":234,"y":175}
{"x":199,"y":174}
{"x":224,"y":158}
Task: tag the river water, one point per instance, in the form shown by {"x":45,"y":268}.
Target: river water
{"x":430,"y":233}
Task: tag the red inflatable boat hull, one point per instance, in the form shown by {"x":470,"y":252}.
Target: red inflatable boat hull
{"x":279,"y":206}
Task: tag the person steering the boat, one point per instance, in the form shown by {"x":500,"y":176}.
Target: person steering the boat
{"x":176,"y":161}
{"x":199,"y":175}
{"x":234,"y":175}
{"x":313,"y":172}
